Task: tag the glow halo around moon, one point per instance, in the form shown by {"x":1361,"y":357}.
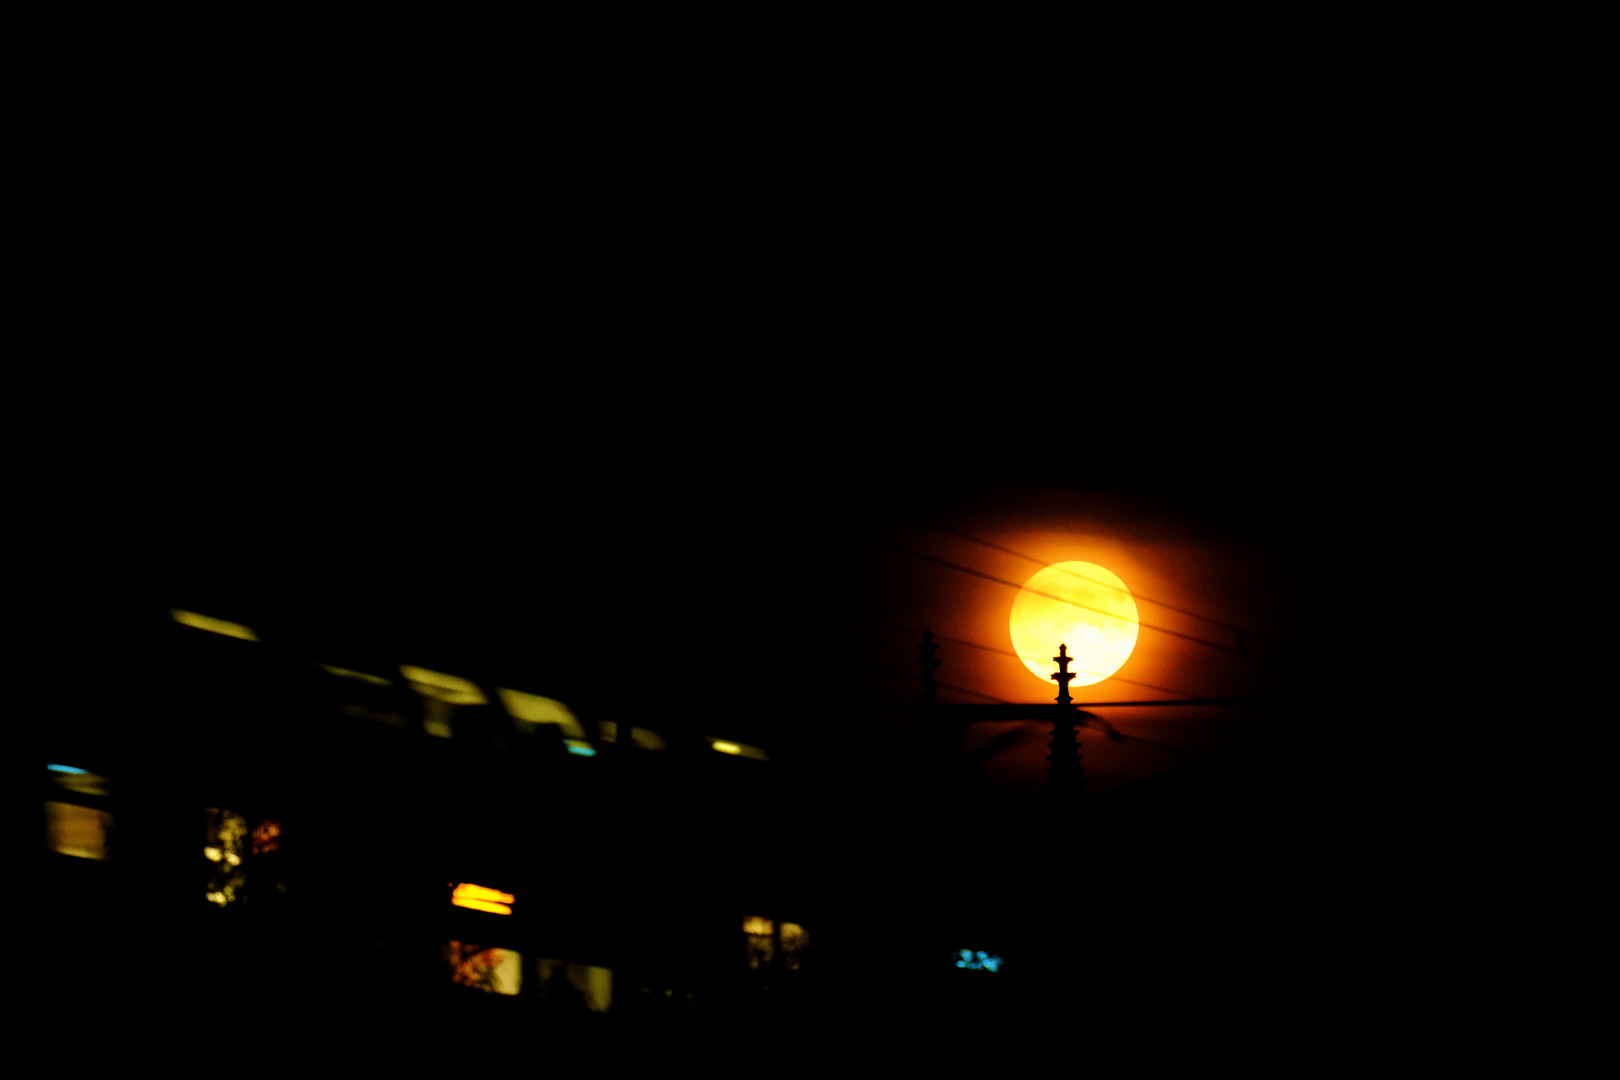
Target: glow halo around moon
{"x":1081,"y":605}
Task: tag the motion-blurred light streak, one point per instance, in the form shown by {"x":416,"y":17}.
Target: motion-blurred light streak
{"x":481,"y":898}
{"x":213,"y":625}
{"x":586,"y":984}
{"x":494,"y":971}
{"x":737,"y":749}
{"x":441,"y":694}
{"x":639,"y":737}
{"x":529,"y":711}
{"x":978,"y":961}
{"x":80,"y":831}
{"x":359,"y":676}
{"x":79,"y":781}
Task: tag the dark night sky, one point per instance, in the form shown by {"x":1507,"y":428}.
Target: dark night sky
{"x":623,"y":558}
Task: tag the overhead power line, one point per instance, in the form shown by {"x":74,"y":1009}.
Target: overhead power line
{"x":1009,"y":652}
{"x":1072,"y":603}
{"x":1138,"y":596}
{"x":1094,"y":723}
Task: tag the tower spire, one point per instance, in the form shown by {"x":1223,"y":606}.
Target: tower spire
{"x":1065,"y":779}
{"x":928,"y":662}
{"x":1063,"y":674}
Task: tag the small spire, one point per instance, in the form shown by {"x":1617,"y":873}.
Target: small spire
{"x":928,"y":662}
{"x":1063,"y":675}
{"x":1065,"y":777}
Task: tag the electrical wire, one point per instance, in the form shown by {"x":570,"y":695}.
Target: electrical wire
{"x":1009,"y":652}
{"x":1095,"y":724}
{"x":1072,"y":603}
{"x":1135,"y":596}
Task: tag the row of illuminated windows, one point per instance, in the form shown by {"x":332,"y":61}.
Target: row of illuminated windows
{"x":241,"y":862}
{"x":238,"y":851}
{"x":768,"y":944}
{"x":442,"y":694}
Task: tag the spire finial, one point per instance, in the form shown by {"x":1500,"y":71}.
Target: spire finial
{"x":1065,"y":778}
{"x":1063,"y":675}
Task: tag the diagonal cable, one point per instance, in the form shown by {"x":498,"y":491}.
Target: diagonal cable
{"x":1094,"y":581}
{"x":1072,"y":603}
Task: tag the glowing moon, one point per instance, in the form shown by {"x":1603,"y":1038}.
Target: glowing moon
{"x":1098,"y":623}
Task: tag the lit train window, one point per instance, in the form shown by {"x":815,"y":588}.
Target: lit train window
{"x":75,"y":822}
{"x":225,"y":847}
{"x":574,"y":987}
{"x":442,"y":695}
{"x":641,"y":738}
{"x":530,"y":711}
{"x":760,"y":935}
{"x":365,"y":696}
{"x":80,"y":831}
{"x":494,"y":971}
{"x":768,"y":942}
{"x":795,"y":940}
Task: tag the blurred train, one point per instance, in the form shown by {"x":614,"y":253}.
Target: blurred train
{"x":239,"y":835}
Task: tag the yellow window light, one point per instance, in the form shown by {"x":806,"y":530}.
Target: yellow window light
{"x":494,"y":971}
{"x":726,"y":746}
{"x":483,"y":905}
{"x":77,"y":830}
{"x":639,"y":737}
{"x":479,"y":898}
{"x":593,"y":984}
{"x":212,"y":625}
{"x":531,"y":710}
{"x":447,"y":688}
{"x":79,"y":780}
{"x":794,"y":941}
{"x":345,"y":673}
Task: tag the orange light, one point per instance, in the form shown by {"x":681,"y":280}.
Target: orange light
{"x":479,"y":898}
{"x":481,"y":905}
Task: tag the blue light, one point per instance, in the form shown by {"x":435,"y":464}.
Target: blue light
{"x":62,"y":768}
{"x":978,"y":961}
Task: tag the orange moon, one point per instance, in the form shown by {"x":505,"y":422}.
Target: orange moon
{"x":1078,"y":604}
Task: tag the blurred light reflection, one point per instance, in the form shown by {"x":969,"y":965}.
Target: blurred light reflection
{"x":479,"y":898}
{"x":726,"y":746}
{"x":494,"y":971}
{"x":581,"y":986}
{"x":529,"y":711}
{"x":76,"y":830}
{"x":79,"y":781}
{"x":213,"y":626}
